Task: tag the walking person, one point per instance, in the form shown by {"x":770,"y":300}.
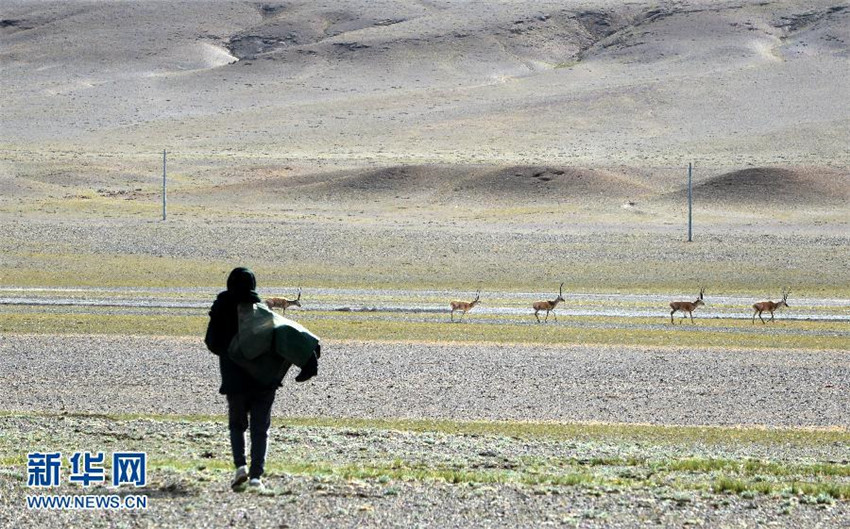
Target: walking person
{"x":250,"y":392}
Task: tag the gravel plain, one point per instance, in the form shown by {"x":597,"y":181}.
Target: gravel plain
{"x":94,"y":375}
{"x":315,"y":502}
{"x":321,"y":477}
{"x":104,"y":374}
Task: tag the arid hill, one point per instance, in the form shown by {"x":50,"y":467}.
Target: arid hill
{"x":479,"y":185}
{"x":581,"y":83}
{"x":774,"y":187}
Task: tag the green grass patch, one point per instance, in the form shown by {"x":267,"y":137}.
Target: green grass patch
{"x":394,"y":470}
{"x":655,"y":434}
{"x":36,"y":269}
{"x":368,"y":327}
{"x":470,"y":332}
{"x":359,"y":327}
{"x":617,"y":432}
{"x":752,"y":467}
{"x":385,"y":472}
{"x":114,"y":324}
{"x":745,"y":487}
{"x":57,"y":265}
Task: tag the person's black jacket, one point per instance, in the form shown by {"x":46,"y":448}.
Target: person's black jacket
{"x":223,"y":326}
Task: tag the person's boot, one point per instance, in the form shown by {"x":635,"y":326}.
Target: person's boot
{"x":310,"y":369}
{"x":256,"y":485}
{"x":239,"y":478}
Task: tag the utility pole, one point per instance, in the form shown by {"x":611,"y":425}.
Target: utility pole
{"x":690,"y":203}
{"x":164,"y":199}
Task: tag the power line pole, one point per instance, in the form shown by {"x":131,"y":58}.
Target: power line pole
{"x":164,"y":196}
{"x":690,"y":203}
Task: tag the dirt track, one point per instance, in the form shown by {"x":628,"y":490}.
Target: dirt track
{"x":578,"y":383}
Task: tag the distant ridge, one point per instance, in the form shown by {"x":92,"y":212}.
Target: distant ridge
{"x":450,"y":183}
{"x":538,"y":184}
{"x":542,"y":183}
{"x":776,"y":186}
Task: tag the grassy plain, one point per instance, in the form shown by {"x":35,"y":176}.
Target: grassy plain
{"x":435,"y":328}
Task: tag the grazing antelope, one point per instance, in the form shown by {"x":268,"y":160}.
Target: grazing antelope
{"x":283,"y":303}
{"x":548,"y":306}
{"x":687,"y":307}
{"x":770,"y":306}
{"x":465,"y":306}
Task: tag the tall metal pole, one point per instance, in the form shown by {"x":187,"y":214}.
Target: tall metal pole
{"x":164,"y":199}
{"x":690,"y":204}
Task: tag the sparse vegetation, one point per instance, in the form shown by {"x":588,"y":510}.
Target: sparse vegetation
{"x":466,"y":462}
{"x":431,"y":328}
{"x":623,"y":433}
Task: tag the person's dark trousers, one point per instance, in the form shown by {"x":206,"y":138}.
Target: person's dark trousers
{"x":259,"y":407}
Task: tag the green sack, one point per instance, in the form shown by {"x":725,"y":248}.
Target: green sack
{"x":256,"y":330}
{"x":293,"y":342}
{"x":267,"y":344}
{"x":267,"y":369}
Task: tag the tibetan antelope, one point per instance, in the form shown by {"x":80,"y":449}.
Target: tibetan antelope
{"x":770,"y":306}
{"x":687,"y":307}
{"x":548,"y":306}
{"x":465,"y":306}
{"x":283,"y":303}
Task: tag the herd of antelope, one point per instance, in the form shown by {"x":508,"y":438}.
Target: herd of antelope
{"x":687,"y":308}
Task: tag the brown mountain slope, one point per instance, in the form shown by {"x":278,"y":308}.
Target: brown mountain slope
{"x":549,"y":184}
{"x":797,"y":187}
{"x":438,"y":183}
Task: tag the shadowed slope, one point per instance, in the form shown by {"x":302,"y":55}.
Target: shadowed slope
{"x":775,"y":187}
{"x":442,"y":183}
{"x":549,"y":184}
